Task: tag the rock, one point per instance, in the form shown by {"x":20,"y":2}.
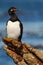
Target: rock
{"x":26,"y":55}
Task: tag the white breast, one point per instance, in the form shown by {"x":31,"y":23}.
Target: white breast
{"x":13,"y":29}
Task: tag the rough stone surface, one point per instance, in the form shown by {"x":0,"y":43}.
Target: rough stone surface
{"x":23,"y":55}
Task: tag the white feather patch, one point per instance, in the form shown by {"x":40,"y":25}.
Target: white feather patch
{"x":13,"y":29}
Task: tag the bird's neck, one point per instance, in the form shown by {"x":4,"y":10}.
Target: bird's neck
{"x":13,"y":17}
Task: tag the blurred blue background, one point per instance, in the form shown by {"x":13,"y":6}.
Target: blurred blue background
{"x":30,"y":12}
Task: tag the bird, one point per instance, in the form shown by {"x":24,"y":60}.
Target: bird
{"x":14,"y":25}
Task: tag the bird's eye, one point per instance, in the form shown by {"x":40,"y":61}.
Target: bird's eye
{"x":11,"y":9}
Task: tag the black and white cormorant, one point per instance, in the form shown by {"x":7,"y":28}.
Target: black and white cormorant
{"x":14,"y":25}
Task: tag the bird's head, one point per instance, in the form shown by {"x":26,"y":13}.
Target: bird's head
{"x":12,"y":10}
